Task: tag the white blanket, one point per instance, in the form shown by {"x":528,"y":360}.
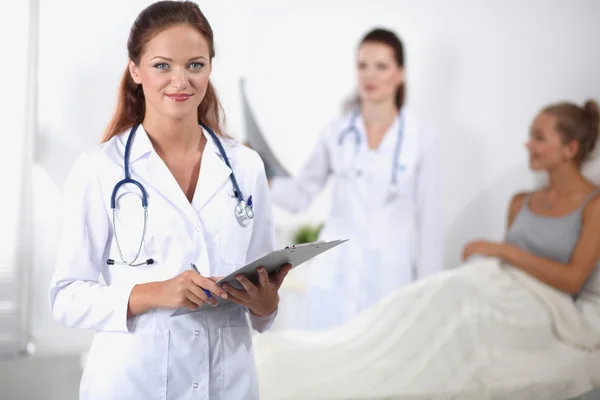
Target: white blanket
{"x":482,"y":331}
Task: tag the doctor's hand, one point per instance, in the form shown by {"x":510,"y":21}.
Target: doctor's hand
{"x":186,"y":290}
{"x":261,"y":299}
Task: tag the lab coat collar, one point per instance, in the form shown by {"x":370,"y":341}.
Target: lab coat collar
{"x":140,"y":146}
{"x":410,"y":154}
{"x":390,"y":137}
{"x":213,"y":172}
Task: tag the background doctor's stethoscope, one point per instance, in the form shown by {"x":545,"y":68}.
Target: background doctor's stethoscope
{"x":243,"y":210}
{"x":356,"y":161}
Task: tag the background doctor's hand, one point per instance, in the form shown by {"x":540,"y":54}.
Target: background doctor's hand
{"x":262,"y":299}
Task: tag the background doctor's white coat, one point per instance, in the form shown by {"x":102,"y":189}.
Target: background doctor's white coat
{"x":477,"y":71}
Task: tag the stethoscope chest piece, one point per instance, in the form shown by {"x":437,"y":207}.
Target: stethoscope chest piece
{"x":244,"y":212}
{"x":392,"y":193}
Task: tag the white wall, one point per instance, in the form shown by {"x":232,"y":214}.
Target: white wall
{"x":478,"y":71}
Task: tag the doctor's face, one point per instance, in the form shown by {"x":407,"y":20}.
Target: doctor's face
{"x":379,"y":76}
{"x":546,"y":148}
{"x":174,"y":71}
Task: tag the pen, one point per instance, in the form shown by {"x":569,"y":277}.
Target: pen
{"x":205,"y":290}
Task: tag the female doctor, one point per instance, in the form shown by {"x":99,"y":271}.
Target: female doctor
{"x":160,"y":210}
{"x":384,"y":166}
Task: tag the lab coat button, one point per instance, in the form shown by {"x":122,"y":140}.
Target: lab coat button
{"x":195,"y":386}
{"x":197,"y":332}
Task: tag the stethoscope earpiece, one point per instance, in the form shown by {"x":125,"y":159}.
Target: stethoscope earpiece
{"x":149,"y":261}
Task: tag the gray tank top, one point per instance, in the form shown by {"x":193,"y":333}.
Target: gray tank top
{"x":554,"y":238}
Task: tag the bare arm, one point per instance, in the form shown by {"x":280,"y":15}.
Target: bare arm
{"x":568,"y":277}
{"x":515,"y":206}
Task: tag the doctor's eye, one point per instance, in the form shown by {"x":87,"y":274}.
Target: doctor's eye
{"x":362,"y":65}
{"x":196,"y":65}
{"x":162,"y":66}
{"x":381,"y":66}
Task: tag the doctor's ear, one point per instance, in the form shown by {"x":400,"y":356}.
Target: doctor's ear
{"x":134,"y":71}
{"x":401,"y":75}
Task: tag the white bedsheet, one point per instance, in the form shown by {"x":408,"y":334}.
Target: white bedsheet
{"x":482,"y":331}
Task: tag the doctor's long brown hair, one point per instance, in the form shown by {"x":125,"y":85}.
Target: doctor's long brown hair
{"x":131,"y":103}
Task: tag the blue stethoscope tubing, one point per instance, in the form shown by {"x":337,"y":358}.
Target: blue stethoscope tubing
{"x":352,"y":129}
{"x":243,"y":211}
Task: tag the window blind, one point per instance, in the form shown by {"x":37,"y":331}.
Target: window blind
{"x":19,"y":26}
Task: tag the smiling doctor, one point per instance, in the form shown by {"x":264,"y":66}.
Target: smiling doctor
{"x":165,"y":206}
{"x":384,"y":167}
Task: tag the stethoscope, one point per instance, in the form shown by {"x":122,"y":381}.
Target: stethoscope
{"x":397,"y":168}
{"x":243,"y":211}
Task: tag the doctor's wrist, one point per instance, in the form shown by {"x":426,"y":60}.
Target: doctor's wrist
{"x":143,"y":298}
{"x":264,"y":313}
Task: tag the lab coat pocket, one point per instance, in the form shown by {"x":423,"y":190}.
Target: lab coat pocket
{"x":238,"y":371}
{"x":345,"y":193}
{"x":127,"y":366}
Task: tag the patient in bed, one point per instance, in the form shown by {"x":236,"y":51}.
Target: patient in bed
{"x":519,"y":321}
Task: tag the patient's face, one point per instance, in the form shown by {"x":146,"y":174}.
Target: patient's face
{"x":546,"y":148}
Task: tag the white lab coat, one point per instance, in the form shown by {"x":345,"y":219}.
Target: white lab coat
{"x":391,"y":243}
{"x":152,"y":356}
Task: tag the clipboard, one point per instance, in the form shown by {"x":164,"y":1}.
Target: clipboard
{"x":295,"y":255}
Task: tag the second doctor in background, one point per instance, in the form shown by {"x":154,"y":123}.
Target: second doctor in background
{"x":386,"y":194}
{"x":185,"y":172}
